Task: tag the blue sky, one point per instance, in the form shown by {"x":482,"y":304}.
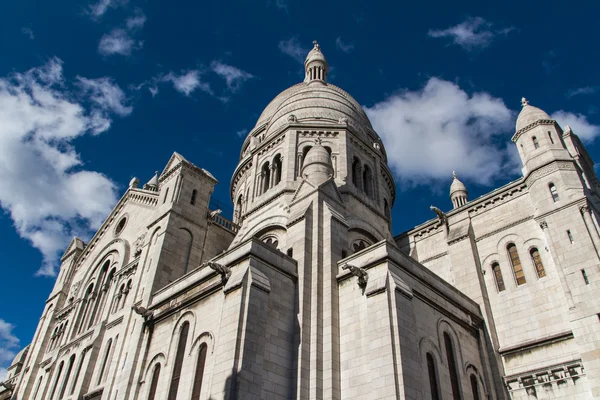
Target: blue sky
{"x":94,"y":94}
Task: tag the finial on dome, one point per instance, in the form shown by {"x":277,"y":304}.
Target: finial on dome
{"x":524,"y":102}
{"x":454,"y":175}
{"x":315,"y":65}
{"x":458,"y":192}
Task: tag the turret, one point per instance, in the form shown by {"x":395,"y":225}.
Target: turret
{"x":315,"y":66}
{"x":458,"y":192}
{"x":317,"y":165}
{"x":538,"y":138}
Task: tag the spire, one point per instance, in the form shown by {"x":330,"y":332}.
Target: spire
{"x":152,"y":183}
{"x":524,"y":102}
{"x":315,"y":65}
{"x":458,"y":192}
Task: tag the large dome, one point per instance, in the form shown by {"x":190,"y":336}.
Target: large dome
{"x":311,"y":101}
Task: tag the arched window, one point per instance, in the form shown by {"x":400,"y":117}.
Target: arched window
{"x":433,"y":383}
{"x":174,"y":387}
{"x":516,"y":263}
{"x":360,"y":244}
{"x":271,"y":241}
{"x":187,"y":241}
{"x":67,"y":376}
{"x":99,"y":292}
{"x":104,"y":362}
{"x":117,"y":299}
{"x":367,"y":181}
{"x":553,"y":192}
{"x":474,"y":387}
{"x":193,"y":198}
{"x":277,"y":170}
{"x":154,"y":382}
{"x":356,"y":173}
{"x":266,"y":177}
{"x":454,"y":381}
{"x":550,"y":137}
{"x":498,"y":277}
{"x":37,"y":387}
{"x":57,"y":379}
{"x":238,"y":209}
{"x":536,"y":144}
{"x":537,"y":261}
{"x":126,"y":291}
{"x":386,"y":208}
{"x":76,"y":377}
{"x":85,"y":307}
{"x":197,"y":388}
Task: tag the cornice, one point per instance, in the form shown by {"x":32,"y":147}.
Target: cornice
{"x":529,"y":127}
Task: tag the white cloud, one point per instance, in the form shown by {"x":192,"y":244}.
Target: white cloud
{"x":345,"y":47}
{"x":44,"y":188}
{"x":582,"y":90}
{"x":9,"y":345}
{"x":294,"y":49}
{"x":136,"y":22}
{"x":118,"y":41}
{"x":98,"y":9}
{"x":428,"y":133}
{"x":28,"y":32}
{"x":234,"y":77}
{"x":187,"y":82}
{"x":578,"y":123}
{"x":473,"y":33}
{"x":242,"y":133}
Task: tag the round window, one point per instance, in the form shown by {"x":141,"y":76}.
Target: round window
{"x":120,"y":225}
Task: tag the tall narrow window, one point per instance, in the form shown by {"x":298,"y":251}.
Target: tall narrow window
{"x":536,"y":144}
{"x":516,"y":264}
{"x":570,"y":236}
{"x":56,"y":380}
{"x":433,"y":385}
{"x":87,"y":300}
{"x":193,"y":198}
{"x":76,"y":377}
{"x":537,"y":261}
{"x":104,"y":362}
{"x":474,"y":387}
{"x":356,"y":173}
{"x":550,"y":137}
{"x":553,"y":192}
{"x":498,"y":277}
{"x":452,"y":367}
{"x":67,"y":376}
{"x":266,"y":177}
{"x":154,"y":382}
{"x":174,"y":387}
{"x":37,"y":388}
{"x":197,"y":388}
{"x":277,"y":171}
{"x":585,"y":277}
{"x":166,"y":194}
{"x":368,"y":181}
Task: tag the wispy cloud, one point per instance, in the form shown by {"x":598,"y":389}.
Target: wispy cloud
{"x":120,"y":40}
{"x":242,"y":133}
{"x":283,"y":5}
{"x":187,"y":82}
{"x":582,"y":90}
{"x":44,"y":189}
{"x":9,"y":345}
{"x":345,"y":47}
{"x":293,"y":48}
{"x":234,"y":77}
{"x":471,"y":34}
{"x":98,"y":9}
{"x":429,"y":133}
{"x":28,"y":32}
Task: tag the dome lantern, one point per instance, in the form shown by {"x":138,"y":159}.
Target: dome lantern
{"x":458,"y":192}
{"x":315,"y":66}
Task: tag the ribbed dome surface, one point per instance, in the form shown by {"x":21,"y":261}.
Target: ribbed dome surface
{"x":457,"y":186}
{"x":529,"y":115}
{"x":323,"y":103}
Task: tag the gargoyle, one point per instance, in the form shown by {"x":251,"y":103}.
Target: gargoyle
{"x":221,"y":269}
{"x":360,"y":273}
{"x":441,"y":215}
{"x":143,"y":311}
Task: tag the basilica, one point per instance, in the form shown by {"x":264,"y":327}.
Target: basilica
{"x":306,"y":294}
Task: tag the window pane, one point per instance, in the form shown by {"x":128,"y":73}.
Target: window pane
{"x":516,"y":264}
{"x":474,"y":387}
{"x":197,"y":388}
{"x":178,"y":361}
{"x":154,"y":383}
{"x":498,"y":276}
{"x":537,"y":261}
{"x":452,"y":367}
{"x":433,"y":387}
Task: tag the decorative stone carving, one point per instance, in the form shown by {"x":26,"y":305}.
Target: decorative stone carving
{"x":75,"y":289}
{"x":441,"y":215}
{"x":143,"y":312}
{"x":544,"y":225}
{"x":343,"y":120}
{"x":360,"y":273}
{"x":292,"y":118}
{"x":138,"y":244}
{"x":377,"y":146}
{"x":584,"y":209}
{"x":223,"y":270}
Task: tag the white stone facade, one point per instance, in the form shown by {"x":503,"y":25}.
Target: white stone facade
{"x":306,"y":294}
